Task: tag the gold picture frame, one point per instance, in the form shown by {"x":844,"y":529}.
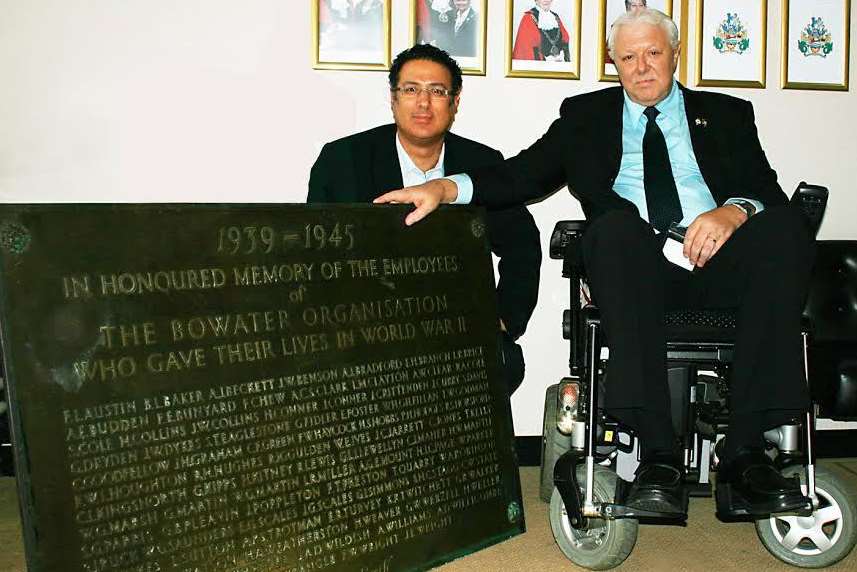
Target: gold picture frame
{"x":459,"y":41}
{"x":800,"y":57}
{"x":728,"y":41}
{"x":566,"y":64}
{"x":608,"y":11}
{"x":355,"y":41}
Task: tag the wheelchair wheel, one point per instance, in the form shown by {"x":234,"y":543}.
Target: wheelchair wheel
{"x":603,"y":544}
{"x":819,"y":540}
{"x":554,"y":443}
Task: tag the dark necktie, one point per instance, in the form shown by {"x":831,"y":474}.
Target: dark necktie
{"x":661,"y":195}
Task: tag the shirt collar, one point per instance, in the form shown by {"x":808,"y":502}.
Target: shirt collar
{"x":669,"y":106}
{"x":407,"y":165}
{"x":462,"y":16}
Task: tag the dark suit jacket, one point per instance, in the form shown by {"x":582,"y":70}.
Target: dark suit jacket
{"x":360,"y":167}
{"x":583,"y":149}
{"x":463,"y":42}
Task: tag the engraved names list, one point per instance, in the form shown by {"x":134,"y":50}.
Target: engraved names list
{"x":254,"y":388}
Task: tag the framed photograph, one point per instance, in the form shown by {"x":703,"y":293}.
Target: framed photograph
{"x":543,"y":38}
{"x":815,"y":44}
{"x":612,"y":9}
{"x":351,"y":34}
{"x":730,"y":43}
{"x":457,"y":26}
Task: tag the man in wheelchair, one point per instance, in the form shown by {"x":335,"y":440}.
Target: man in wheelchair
{"x":641,"y":158}
{"x":649,"y":160}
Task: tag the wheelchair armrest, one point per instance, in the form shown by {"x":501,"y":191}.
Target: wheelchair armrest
{"x":565,"y":233}
{"x":812,"y":200}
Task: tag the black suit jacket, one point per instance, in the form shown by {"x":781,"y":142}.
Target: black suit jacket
{"x":363,"y":166}
{"x":583,"y":149}
{"x":463,"y":42}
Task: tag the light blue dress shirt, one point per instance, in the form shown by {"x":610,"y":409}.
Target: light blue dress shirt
{"x":465,"y":188}
{"x":413,"y":175}
{"x":693,"y":193}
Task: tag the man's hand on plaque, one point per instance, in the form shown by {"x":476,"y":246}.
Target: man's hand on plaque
{"x":710,"y":231}
{"x":425,"y":198}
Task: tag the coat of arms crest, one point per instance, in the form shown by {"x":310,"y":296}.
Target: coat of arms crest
{"x":815,"y":39}
{"x":731,"y":36}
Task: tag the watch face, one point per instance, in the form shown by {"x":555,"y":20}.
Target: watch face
{"x":746,"y":206}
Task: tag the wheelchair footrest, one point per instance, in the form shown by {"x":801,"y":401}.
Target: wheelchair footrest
{"x":731,"y":505}
{"x":652,"y":509}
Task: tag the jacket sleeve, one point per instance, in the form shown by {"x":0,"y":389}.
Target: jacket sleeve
{"x":531,"y":174}
{"x":515,"y":241}
{"x":753,"y":167}
{"x":319,"y":178}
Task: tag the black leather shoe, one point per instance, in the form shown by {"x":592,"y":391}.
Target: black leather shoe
{"x":658,"y":487}
{"x":750,"y":485}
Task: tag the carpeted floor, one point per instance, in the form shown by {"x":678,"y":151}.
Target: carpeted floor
{"x":704,"y":544}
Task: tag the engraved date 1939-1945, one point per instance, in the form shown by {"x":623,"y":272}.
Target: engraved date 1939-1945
{"x":266,"y":240}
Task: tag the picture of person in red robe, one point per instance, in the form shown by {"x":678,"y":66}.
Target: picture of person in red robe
{"x":541,"y":35}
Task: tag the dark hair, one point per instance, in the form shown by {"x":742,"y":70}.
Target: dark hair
{"x":426,"y":52}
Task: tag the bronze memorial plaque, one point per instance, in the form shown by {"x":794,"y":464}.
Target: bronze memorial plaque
{"x":254,"y":387}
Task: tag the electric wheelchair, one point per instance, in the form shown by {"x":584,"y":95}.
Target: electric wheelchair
{"x":588,"y":459}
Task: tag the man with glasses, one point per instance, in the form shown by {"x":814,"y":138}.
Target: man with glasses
{"x":425,"y":91}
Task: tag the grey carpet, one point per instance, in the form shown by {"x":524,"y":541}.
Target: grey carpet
{"x":704,"y":544}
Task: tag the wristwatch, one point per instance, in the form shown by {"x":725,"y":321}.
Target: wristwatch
{"x":746,"y":206}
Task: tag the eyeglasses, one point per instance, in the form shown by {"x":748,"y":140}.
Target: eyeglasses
{"x":413,"y":91}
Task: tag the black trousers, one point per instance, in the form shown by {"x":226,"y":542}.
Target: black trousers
{"x":513,"y":362}
{"x":762,"y":271}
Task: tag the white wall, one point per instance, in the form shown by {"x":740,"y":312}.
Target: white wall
{"x":215,"y":101}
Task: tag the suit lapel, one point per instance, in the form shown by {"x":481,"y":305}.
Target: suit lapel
{"x":451,"y":160}
{"x":386,"y":172}
{"x":612,"y":129}
{"x":700,"y":137}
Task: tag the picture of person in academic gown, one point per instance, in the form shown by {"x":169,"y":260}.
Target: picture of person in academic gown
{"x":541,"y":35}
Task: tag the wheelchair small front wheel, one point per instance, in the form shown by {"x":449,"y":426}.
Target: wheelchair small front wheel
{"x":602,"y":544}
{"x":818,"y":540}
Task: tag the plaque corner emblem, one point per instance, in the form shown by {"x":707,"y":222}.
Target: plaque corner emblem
{"x":477,"y":227}
{"x":513,"y":512}
{"x":14,"y":237}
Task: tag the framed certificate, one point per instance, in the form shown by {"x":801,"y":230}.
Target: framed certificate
{"x":815,"y":44}
{"x":731,"y":43}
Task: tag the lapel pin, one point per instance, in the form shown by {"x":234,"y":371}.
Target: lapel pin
{"x":701,"y":121}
